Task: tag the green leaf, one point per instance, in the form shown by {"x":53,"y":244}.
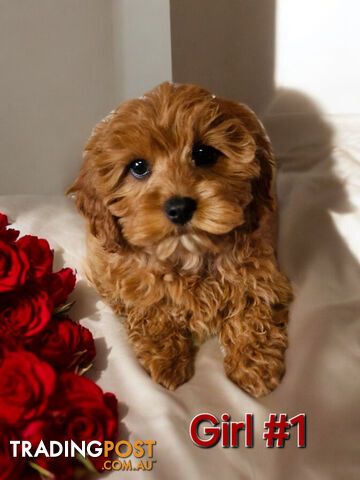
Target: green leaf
{"x":86,"y":462}
{"x":82,"y":371}
{"x":41,"y":470}
{"x":80,"y":353}
{"x":63,"y":309}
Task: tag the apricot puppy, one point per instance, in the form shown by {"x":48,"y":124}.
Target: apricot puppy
{"x":177,"y":189}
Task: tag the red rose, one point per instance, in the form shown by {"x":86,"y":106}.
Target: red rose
{"x":7,"y":344}
{"x":11,"y":467}
{"x":30,"y":474}
{"x":60,"y":285}
{"x":25,"y":313}
{"x":45,"y":429}
{"x":37,"y":430}
{"x":3,"y":352}
{"x":39,"y":254}
{"x":85,"y":412}
{"x":7,"y":235}
{"x":3,"y":222}
{"x":66,"y":345}
{"x":14,"y":266}
{"x":26,"y":386}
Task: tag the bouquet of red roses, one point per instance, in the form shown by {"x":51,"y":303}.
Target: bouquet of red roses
{"x":43,"y":354}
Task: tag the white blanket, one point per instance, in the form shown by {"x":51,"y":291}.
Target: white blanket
{"x":319,"y":198}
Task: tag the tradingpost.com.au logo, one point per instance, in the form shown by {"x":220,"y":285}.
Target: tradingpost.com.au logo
{"x":142,"y":451}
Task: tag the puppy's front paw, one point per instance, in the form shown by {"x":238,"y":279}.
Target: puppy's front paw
{"x":257,"y":377}
{"x":171,"y":373}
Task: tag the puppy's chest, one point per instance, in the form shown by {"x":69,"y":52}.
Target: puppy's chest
{"x":204,"y":290}
{"x":204,"y":294}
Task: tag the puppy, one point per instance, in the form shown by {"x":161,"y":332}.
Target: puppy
{"x":177,"y":190}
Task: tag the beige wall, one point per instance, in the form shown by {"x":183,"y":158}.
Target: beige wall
{"x":142,"y":45}
{"x":64,"y":64}
{"x":57,"y":79}
{"x":226,"y":46}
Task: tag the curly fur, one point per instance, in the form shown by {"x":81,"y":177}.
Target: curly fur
{"x":218,"y":274}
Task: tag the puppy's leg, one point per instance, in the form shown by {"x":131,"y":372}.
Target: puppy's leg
{"x":255,"y":342}
{"x":163,"y":345}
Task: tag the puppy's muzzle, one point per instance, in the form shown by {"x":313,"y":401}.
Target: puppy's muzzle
{"x":179,"y":210}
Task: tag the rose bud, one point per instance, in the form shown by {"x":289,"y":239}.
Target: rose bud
{"x":60,"y":285}
{"x":3,"y":222}
{"x":26,"y":313}
{"x":26,"y":387}
{"x":39,"y":254}
{"x":66,"y":345}
{"x":44,"y":429}
{"x":7,"y":235}
{"x":85,"y":412}
{"x":11,"y":467}
{"x":14,"y":267}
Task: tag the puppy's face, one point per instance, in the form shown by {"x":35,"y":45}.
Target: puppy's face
{"x":177,"y":168}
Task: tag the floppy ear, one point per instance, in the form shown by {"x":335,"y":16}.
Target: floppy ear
{"x":262,"y":187}
{"x":88,"y":201}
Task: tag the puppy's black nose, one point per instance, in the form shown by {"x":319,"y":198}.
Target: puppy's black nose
{"x":179,"y":210}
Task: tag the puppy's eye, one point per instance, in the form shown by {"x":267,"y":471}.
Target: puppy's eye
{"x":139,"y":168}
{"x":204,"y":155}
